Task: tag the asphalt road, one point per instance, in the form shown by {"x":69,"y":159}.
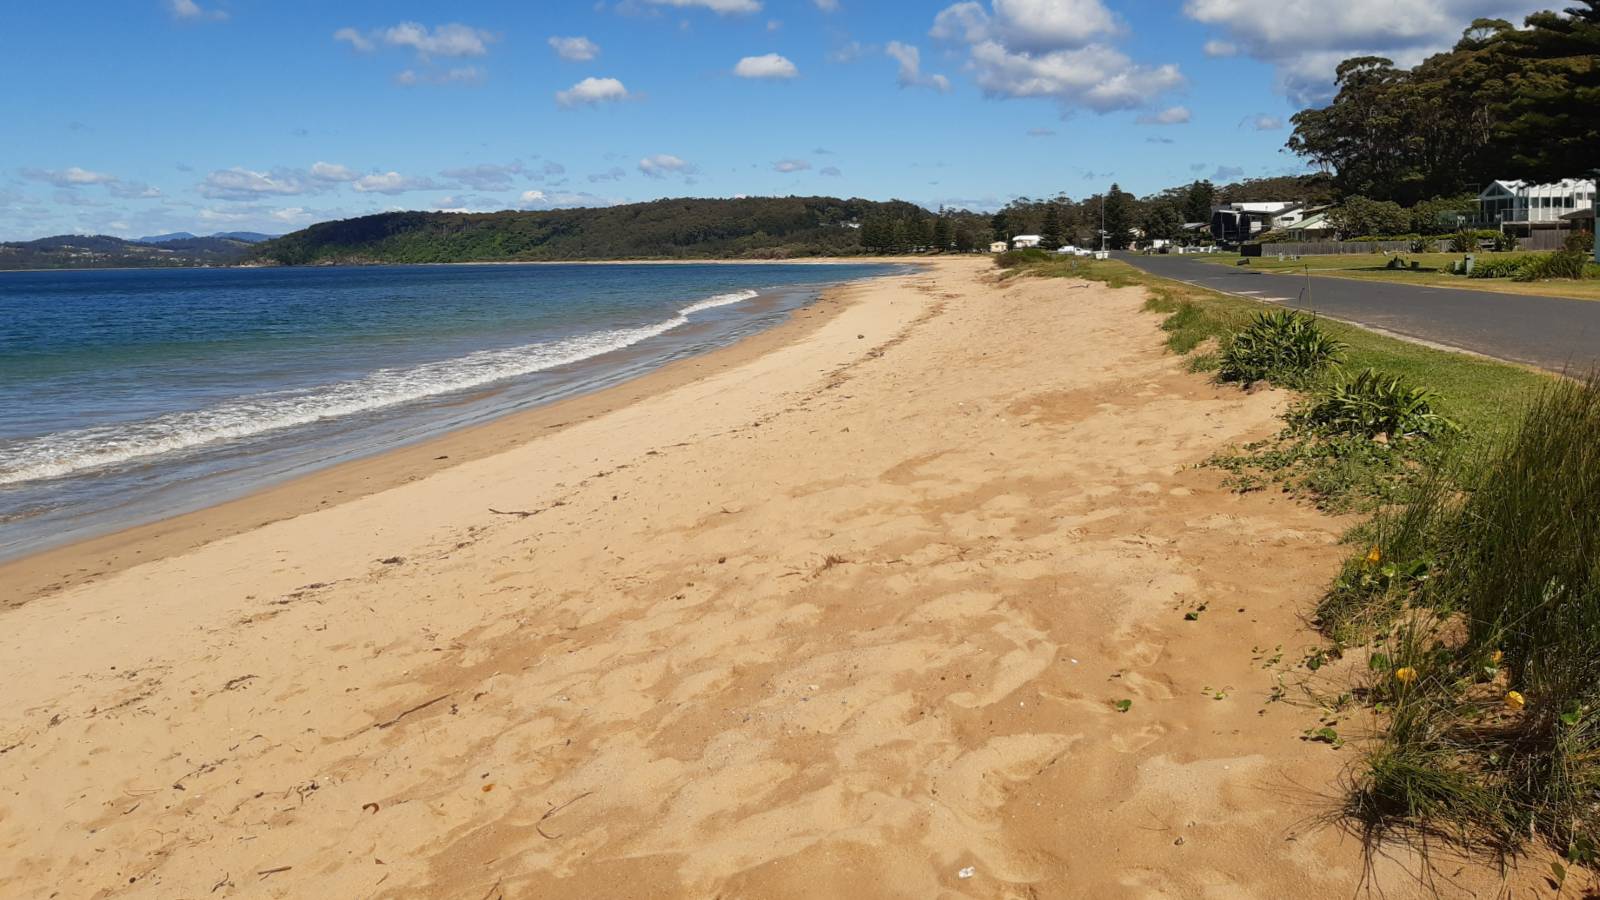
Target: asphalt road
{"x":1555,"y":333}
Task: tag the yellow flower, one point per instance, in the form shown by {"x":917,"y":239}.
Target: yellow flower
{"x":1405,"y":674}
{"x":1374,"y":556}
{"x":1515,"y":700}
{"x":1497,"y":656}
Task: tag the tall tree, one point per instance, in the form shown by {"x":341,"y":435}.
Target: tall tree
{"x":1118,"y":218}
{"x":1001,"y":225}
{"x":1050,"y":232}
{"x":942,"y":236}
{"x":1198,"y":200}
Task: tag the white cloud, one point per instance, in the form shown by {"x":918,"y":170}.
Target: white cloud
{"x":452,"y":40}
{"x":486,"y":177}
{"x":849,"y":52}
{"x":615,"y":173}
{"x":562,"y":200}
{"x":591,"y":91}
{"x":720,"y":7}
{"x":457,"y":75}
{"x":1052,"y":49}
{"x":392,"y":183}
{"x":663,"y":164}
{"x":910,"y":59}
{"x":1097,"y":77}
{"x":331,"y":172}
{"x":246,"y":184}
{"x":1172,"y":115}
{"x":827,"y":6}
{"x":71,"y":176}
{"x":787,"y":166}
{"x":1041,"y":132}
{"x":1027,"y":25}
{"x":355,"y":39}
{"x":830,"y":171}
{"x":575,"y":49}
{"x":1221,"y":48}
{"x":191,"y":11}
{"x":1306,"y":39}
{"x":1227,"y":173}
{"x":770,"y":65}
{"x":1262,"y":122}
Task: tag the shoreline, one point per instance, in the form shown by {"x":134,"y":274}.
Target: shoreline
{"x":38,"y":574}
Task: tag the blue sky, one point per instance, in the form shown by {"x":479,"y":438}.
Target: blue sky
{"x":135,"y":117}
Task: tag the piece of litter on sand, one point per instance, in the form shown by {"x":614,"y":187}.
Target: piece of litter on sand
{"x":968,"y":872}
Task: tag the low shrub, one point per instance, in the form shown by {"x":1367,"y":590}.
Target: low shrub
{"x":1014,"y":258}
{"x":1561,"y":264}
{"x":1282,"y":347}
{"x":1373,"y":404}
{"x":1500,"y":268}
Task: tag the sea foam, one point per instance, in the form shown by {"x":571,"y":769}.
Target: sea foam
{"x":71,"y":452}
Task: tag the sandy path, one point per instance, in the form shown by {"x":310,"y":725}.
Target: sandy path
{"x":841,"y":621}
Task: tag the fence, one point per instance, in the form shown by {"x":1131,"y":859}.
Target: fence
{"x":1324,"y":248}
{"x":1540,"y":239}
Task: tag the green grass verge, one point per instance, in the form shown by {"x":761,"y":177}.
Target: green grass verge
{"x":1434,"y":271}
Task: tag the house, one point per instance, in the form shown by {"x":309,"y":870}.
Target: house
{"x":999,"y":247}
{"x":1584,"y":220}
{"x":1313,"y":227}
{"x":1235,"y":223}
{"x":1024,"y":241}
{"x":1520,"y":208}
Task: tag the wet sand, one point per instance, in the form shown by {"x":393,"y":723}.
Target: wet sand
{"x":844,"y":610}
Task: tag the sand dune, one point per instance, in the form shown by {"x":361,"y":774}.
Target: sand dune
{"x":848,"y":618}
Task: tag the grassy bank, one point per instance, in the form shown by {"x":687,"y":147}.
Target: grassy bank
{"x":1473,"y":590}
{"x":1433,"y":271}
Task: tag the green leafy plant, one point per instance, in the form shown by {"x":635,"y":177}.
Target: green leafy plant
{"x":1373,"y":404}
{"x":1283,"y":347}
{"x":1561,"y":264}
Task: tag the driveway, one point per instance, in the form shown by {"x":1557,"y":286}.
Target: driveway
{"x":1555,"y":333}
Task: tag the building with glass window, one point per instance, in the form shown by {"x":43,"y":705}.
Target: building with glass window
{"x":1518,"y":207}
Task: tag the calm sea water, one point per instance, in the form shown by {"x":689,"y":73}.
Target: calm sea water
{"x":126,"y":396}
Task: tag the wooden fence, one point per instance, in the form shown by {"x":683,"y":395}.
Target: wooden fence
{"x":1324,"y":248}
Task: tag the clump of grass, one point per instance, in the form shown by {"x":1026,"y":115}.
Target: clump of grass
{"x":1509,"y":709}
{"x":1282,"y":347}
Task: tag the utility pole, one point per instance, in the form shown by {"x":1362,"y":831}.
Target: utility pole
{"x":1102,"y":220}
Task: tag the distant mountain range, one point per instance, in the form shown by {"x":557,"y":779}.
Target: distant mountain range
{"x":98,"y":251}
{"x":249,"y":237}
{"x":742,"y":228}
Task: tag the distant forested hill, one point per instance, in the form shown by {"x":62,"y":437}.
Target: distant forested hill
{"x":99,"y":251}
{"x":752,"y":228}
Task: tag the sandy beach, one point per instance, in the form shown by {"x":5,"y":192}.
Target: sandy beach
{"x":843,"y":610}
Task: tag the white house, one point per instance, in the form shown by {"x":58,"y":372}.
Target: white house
{"x":1023,"y":241}
{"x":1519,"y":207}
{"x":999,"y":247}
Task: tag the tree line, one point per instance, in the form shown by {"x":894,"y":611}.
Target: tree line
{"x":1504,"y":102}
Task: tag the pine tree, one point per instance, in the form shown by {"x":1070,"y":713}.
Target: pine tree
{"x":1118,"y":218}
{"x":941,"y":234}
{"x":1001,"y":226}
{"x":1198,"y":200}
{"x":1050,"y":234}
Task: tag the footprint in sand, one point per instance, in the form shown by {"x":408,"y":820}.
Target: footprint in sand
{"x":1138,"y":740}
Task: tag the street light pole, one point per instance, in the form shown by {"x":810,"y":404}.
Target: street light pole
{"x":1102,"y":221}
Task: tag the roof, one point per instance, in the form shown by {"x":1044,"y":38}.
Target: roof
{"x":1315,"y":220}
{"x":1517,"y":186}
{"x":1028,"y":237}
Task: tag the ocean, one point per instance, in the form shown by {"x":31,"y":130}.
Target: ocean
{"x":131,"y":395}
